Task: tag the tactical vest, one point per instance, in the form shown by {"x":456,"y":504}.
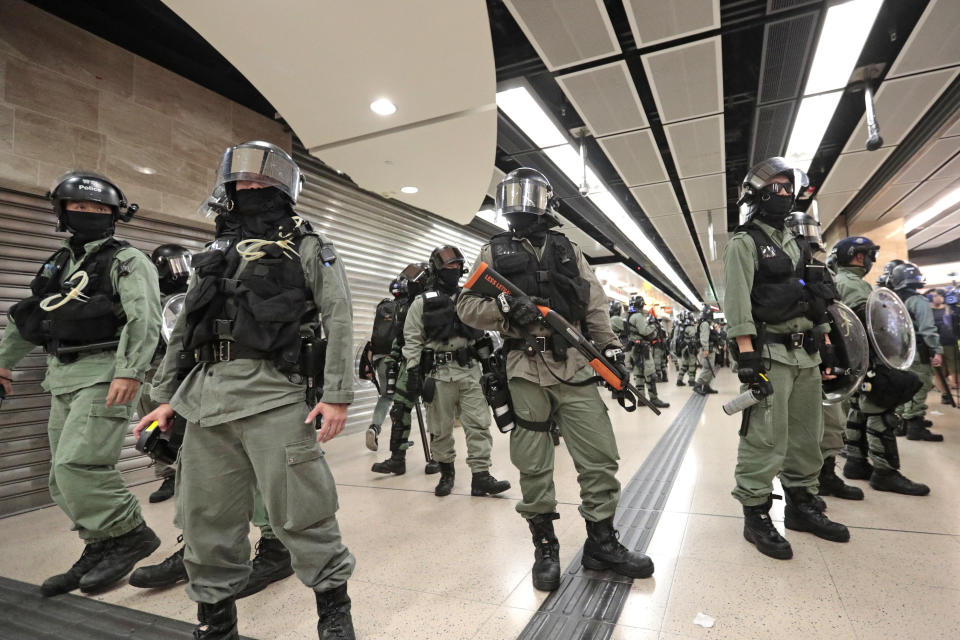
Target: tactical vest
{"x":440,"y":319}
{"x":555,"y":277}
{"x":260,"y":310}
{"x":77,"y":323}
{"x":387,"y":324}
{"x":782,"y":291}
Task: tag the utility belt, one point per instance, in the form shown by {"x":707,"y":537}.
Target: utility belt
{"x":430,"y":359}
{"x":227,"y":351}
{"x":70,"y":353}
{"x":553,"y":344}
{"x":806,"y":340}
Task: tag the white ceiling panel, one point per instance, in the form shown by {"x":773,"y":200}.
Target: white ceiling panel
{"x":831,"y":205}
{"x":495,"y":182}
{"x":697,"y":146}
{"x":954,"y":130}
{"x":589,"y":246}
{"x":900,"y":103}
{"x":671,"y":226}
{"x":686,"y":80}
{"x":917,"y":198}
{"x":929,"y":236}
{"x":606,"y":98}
{"x":705,"y":192}
{"x":657,"y":199}
{"x":635,"y":156}
{"x":949,"y":170}
{"x":701,"y":221}
{"x":852,"y":170}
{"x":942,"y":239}
{"x":923,"y":165}
{"x":654,"y":21}
{"x":882,"y":202}
{"x":933,"y":43}
{"x":566,"y":32}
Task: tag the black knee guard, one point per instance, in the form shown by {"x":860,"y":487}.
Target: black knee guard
{"x":855,"y":435}
{"x":887,"y":449}
{"x":399,"y":427}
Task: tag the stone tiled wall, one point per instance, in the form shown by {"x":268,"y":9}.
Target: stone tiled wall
{"x":69,"y":99}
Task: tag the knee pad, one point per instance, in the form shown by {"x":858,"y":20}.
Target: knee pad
{"x":888,"y":441}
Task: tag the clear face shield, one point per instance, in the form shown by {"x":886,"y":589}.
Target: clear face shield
{"x":256,"y":161}
{"x":523,"y":195}
{"x":180,"y":265}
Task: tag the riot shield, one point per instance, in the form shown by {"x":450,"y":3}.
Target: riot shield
{"x":849,"y":339}
{"x":890,"y":329}
{"x":168,"y":317}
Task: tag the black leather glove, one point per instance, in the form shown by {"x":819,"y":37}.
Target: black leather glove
{"x":414,"y":382}
{"x":619,"y":359}
{"x":749,"y":367}
{"x":828,"y":358}
{"x":521,"y":311}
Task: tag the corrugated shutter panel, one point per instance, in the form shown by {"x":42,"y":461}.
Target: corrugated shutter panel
{"x":374,"y":237}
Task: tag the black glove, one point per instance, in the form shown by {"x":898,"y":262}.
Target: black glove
{"x":618,"y":358}
{"x":521,"y":310}
{"x":749,"y":367}
{"x":414,"y":382}
{"x":828,"y":358}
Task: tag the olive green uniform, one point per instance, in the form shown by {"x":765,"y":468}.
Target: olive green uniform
{"x":457,"y":386}
{"x":538,"y":397}
{"x":616,"y":325}
{"x":784,"y":430}
{"x":85,"y":435}
{"x":640,"y":333}
{"x":928,"y":340}
{"x":245,"y":427}
{"x":145,"y":405}
{"x":705,"y":355}
{"x":688,"y":353}
{"x":834,"y":421}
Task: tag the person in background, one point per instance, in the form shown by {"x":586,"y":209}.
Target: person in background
{"x":948,"y":326}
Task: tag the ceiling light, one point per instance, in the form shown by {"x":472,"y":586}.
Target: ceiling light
{"x":942,"y":204}
{"x":492,"y":217}
{"x":520,"y":107}
{"x":409,"y":189}
{"x":146,"y":170}
{"x":383,"y":107}
{"x":844,"y":32}
{"x":812,"y":121}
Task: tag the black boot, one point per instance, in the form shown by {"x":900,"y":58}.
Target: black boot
{"x":857,"y":469}
{"x":603,"y":551}
{"x":66,"y":582}
{"x":802,"y":514}
{"x":698,"y":389}
{"x":708,"y":389}
{"x":396,"y":464}
{"x":917,"y":431}
{"x":333,"y":610}
{"x":159,"y":576}
{"x":758,"y":530}
{"x":120,"y":555}
{"x":218,"y":621}
{"x":431,"y":468}
{"x":447,"y":474}
{"x":271,"y":563}
{"x":546,"y":554}
{"x":895,"y":482}
{"x":484,"y":484}
{"x":164,"y":491}
{"x":658,"y":403}
{"x":900,"y":429}
{"x":373,"y":437}
{"x":833,"y":485}
{"x":680,"y":382}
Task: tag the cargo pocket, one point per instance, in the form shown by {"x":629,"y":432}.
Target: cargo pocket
{"x":101,"y":437}
{"x":311,"y":491}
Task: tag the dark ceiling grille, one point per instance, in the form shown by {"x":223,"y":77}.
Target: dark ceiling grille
{"x":770,"y":133}
{"x":773,"y":6}
{"x":786,"y":45}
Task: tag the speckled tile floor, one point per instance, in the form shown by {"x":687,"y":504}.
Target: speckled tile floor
{"x":459,"y":567}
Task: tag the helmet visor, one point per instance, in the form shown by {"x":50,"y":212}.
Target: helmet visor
{"x":412,"y":272}
{"x":527,"y":196}
{"x":179,"y":265}
{"x":447,"y":256}
{"x":261,"y":162}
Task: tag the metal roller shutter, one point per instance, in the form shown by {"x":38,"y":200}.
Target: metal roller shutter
{"x":374,"y":237}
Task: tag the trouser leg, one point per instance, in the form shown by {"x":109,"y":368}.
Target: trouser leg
{"x":261,"y":519}
{"x":802,"y":460}
{"x":706,"y":370}
{"x":532,"y":452}
{"x":384,"y":401}
{"x":916,"y":407}
{"x":475,"y":419}
{"x":855,"y":432}
{"x":441,"y":413}
{"x":650,"y":376}
{"x":833,"y":422}
{"x":86,"y":437}
{"x":880,"y":437}
{"x":762,"y":449}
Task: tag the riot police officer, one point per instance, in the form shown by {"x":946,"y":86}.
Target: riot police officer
{"x":263,"y":297}
{"x":616,"y":318}
{"x":95,"y":309}
{"x":641,"y":331}
{"x":906,"y":280}
{"x":548,"y":381}
{"x":869,"y":436}
{"x":387,"y":325}
{"x":688,"y":345}
{"x":704,"y":351}
{"x":441,"y":364}
{"x":775,"y":303}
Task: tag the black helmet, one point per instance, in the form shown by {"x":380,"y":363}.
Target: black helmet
{"x":443,"y":257}
{"x":848,"y":248}
{"x":636,"y":304}
{"x":523,"y":193}
{"x":397,"y":287}
{"x":173,"y":267}
{"x":805,"y":226}
{"x":706,"y":312}
{"x":759,"y":176}
{"x":88,"y":186}
{"x":906,"y":276}
{"x":616,"y":308}
{"x":413,"y":279}
{"x":884,"y":279}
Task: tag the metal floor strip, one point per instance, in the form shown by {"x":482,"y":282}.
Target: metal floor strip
{"x":26,"y":615}
{"x":588,"y":603}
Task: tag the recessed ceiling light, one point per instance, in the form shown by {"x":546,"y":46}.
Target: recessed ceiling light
{"x":147,"y":170}
{"x":409,"y":189}
{"x":383,"y":107}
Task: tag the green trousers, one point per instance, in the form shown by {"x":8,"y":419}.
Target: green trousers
{"x":834,"y":420}
{"x":383,"y":401}
{"x":581,"y":416}
{"x":85,"y":442}
{"x":782,"y":437}
{"x":219,"y":468}
{"x":705,"y":376}
{"x":916,"y":407}
{"x":645,"y":371}
{"x":869,"y":433}
{"x":474,"y":417}
{"x":688,"y":365}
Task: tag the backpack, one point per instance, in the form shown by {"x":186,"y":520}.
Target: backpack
{"x":387,"y":325}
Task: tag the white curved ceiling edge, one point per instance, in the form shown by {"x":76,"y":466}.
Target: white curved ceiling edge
{"x":321,"y":64}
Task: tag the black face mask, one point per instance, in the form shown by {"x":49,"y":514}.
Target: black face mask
{"x":87,"y":227}
{"x":259,"y":210}
{"x":447,"y":280}
{"x":776,"y":206}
